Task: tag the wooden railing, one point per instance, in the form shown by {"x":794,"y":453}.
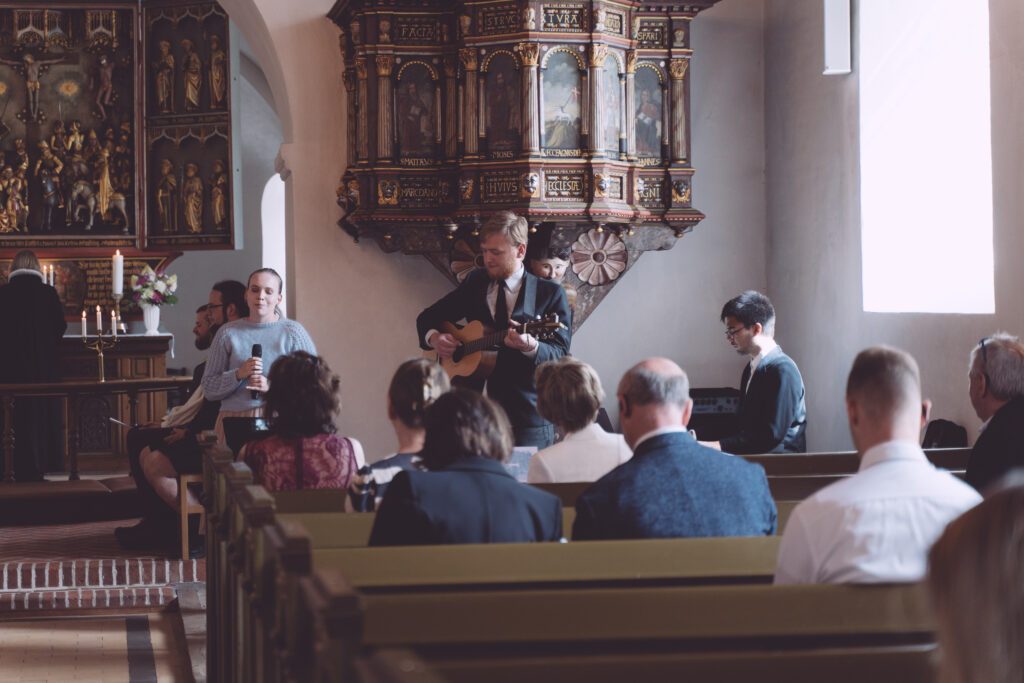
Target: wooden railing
{"x":73,"y":390}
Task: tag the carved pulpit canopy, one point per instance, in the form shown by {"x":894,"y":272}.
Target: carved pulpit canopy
{"x":574,"y":114}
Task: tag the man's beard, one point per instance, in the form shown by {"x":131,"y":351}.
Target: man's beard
{"x":204,"y":342}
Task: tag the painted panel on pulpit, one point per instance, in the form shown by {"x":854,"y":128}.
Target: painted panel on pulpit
{"x":416,"y":123}
{"x":562,"y":85}
{"x":612,"y":106}
{"x":649,"y":103}
{"x":67,"y":138}
{"x":504,"y":109}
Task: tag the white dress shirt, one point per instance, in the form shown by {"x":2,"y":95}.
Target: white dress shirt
{"x":875,"y":526}
{"x":513,"y":283}
{"x":768,"y":346}
{"x":586,"y":455}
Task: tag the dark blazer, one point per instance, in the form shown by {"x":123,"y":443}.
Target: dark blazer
{"x":999,"y":448}
{"x":473,"y":500}
{"x":511,"y":384}
{"x":772,"y":414}
{"x":206,"y":418}
{"x":33,"y":326}
{"x":673,"y":487}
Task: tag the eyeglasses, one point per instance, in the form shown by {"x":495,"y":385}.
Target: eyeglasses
{"x":731,"y":332}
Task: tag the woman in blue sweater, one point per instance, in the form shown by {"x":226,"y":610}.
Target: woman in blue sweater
{"x":232,"y":371}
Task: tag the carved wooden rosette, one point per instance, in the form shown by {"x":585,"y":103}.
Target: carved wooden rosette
{"x":573,"y":113}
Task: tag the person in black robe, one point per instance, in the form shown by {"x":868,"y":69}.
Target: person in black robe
{"x":34,"y":323}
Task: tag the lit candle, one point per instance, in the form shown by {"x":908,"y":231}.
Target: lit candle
{"x":99,"y":320}
{"x":52,"y":280}
{"x":118,"y":274}
{"x":113,"y":322}
{"x":85,"y":331}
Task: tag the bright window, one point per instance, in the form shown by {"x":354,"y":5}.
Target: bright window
{"x":272,"y":214}
{"x":926,"y":156}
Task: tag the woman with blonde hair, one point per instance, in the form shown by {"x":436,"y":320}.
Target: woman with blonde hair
{"x":975,"y":582}
{"x":569,"y":394}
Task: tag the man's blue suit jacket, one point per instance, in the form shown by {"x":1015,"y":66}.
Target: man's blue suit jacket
{"x":673,"y":487}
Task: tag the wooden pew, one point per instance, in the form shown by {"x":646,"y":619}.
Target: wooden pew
{"x":845,"y":462}
{"x":700,"y":633}
{"x":794,"y":477}
{"x":505,"y":567}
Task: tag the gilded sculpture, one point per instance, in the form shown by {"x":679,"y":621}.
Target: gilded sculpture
{"x":192,"y":70}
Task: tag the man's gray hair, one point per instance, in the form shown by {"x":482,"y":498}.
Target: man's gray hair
{"x":641,"y":386}
{"x":1002,"y":363}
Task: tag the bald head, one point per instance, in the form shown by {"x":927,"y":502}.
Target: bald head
{"x":883,"y":397}
{"x":655,"y":381}
{"x":654,"y":393}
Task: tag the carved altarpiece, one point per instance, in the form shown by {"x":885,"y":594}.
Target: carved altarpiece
{"x":84,"y":137}
{"x":572,"y":113}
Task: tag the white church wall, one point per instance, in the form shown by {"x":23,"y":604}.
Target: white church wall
{"x":814,"y":269}
{"x":360,"y":304}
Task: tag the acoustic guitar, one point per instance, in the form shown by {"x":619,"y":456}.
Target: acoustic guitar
{"x":478,"y":345}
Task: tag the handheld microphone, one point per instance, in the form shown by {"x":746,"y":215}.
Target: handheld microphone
{"x":257,"y":352}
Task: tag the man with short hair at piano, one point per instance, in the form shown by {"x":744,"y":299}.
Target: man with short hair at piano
{"x":772,"y":415}
{"x":523,"y":297}
{"x":877,"y":525}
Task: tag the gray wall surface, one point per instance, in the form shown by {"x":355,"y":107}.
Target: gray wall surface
{"x":814,"y":266}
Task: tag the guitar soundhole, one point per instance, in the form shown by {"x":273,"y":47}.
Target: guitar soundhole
{"x":457,"y":355}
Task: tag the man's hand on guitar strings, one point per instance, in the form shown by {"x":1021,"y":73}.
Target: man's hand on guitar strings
{"x":520,"y":342}
{"x":444,"y":343}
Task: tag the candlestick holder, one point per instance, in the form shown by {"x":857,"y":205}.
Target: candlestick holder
{"x":117,"y":311}
{"x":100,"y":345}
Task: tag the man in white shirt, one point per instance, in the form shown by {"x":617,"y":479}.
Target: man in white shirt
{"x":877,"y":525}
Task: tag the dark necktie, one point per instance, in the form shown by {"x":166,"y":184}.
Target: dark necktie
{"x":501,"y":307}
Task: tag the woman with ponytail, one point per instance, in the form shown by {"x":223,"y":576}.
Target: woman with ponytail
{"x":417,"y":383}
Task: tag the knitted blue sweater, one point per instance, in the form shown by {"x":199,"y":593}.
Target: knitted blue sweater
{"x":232,"y":346}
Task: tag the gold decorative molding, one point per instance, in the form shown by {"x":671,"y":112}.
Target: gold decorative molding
{"x":677,"y":68}
{"x":385,"y":64}
{"x":468,"y":57}
{"x":529,"y":53}
{"x":598,"y":53}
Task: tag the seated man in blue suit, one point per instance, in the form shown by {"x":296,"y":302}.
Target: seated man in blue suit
{"x":673,"y":487}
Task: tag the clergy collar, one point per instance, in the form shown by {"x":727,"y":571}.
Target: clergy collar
{"x":25,"y":271}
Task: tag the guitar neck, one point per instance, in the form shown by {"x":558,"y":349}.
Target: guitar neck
{"x":485,"y":342}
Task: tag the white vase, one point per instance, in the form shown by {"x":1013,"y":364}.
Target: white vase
{"x":151,"y":319}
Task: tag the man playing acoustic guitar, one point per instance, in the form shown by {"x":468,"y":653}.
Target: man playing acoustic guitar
{"x":523,"y":298}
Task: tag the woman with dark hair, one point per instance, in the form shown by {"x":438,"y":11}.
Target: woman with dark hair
{"x":467,"y":496}
{"x":303,"y":451}
{"x":241,"y":349}
{"x":974,"y":580}
{"x":415,"y":386}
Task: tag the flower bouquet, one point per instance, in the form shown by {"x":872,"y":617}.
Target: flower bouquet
{"x":153,"y":288}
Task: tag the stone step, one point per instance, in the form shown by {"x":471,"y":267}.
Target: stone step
{"x":108,"y":573}
{"x":46,"y":600}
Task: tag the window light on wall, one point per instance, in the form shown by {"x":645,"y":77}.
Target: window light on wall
{"x":926,"y":156}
